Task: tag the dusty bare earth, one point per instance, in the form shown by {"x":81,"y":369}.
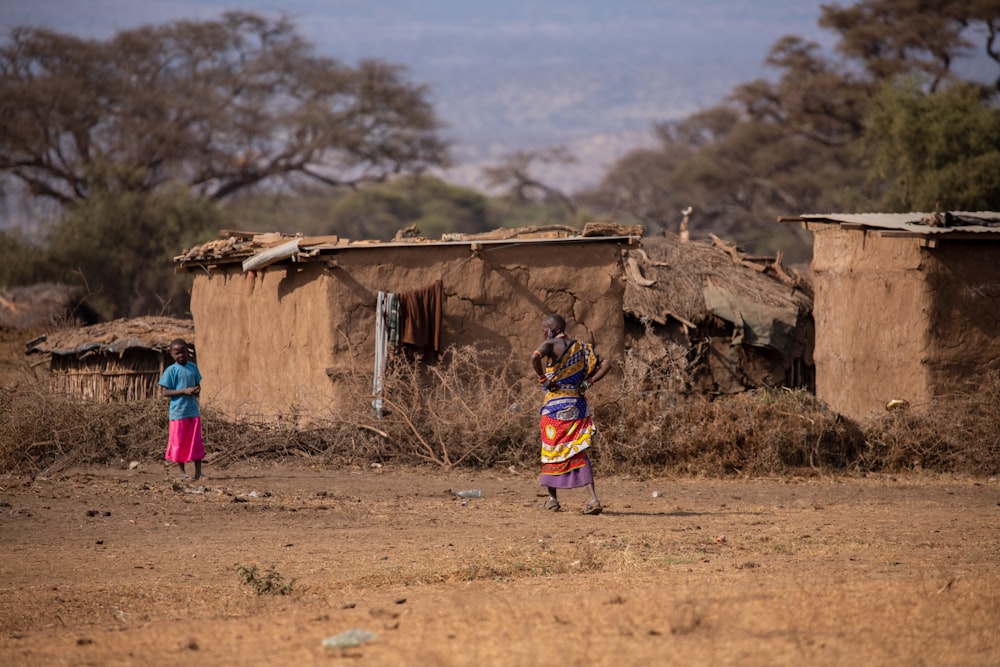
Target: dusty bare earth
{"x":125,"y":567}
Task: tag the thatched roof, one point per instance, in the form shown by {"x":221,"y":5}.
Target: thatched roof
{"x":151,"y":333}
{"x":667,"y":278}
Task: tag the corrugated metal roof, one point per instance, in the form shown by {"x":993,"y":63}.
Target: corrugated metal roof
{"x":244,"y":246}
{"x":939,"y":224}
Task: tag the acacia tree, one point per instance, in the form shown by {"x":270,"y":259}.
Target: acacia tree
{"x":933,"y":151}
{"x":893,"y":37}
{"x":790,"y":145}
{"x":136,"y":136}
{"x":220,"y":106}
{"x":513,"y":175}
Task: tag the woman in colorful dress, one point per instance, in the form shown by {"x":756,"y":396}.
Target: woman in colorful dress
{"x":566,"y":368}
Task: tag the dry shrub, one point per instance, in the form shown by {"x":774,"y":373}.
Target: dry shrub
{"x":468,"y":409}
{"x":769,"y":431}
{"x":41,"y":430}
{"x":323,"y":441}
{"x":766,"y":431}
{"x":648,"y":428}
{"x":472,"y":409}
{"x":45,"y":431}
{"x":464,"y":410}
{"x":957,"y":433}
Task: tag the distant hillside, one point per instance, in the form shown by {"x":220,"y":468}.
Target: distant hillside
{"x":598,"y":113}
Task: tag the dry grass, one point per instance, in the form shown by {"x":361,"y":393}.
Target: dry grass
{"x":957,"y":433}
{"x":42,"y":430}
{"x":471,"y":410}
{"x":767,"y":431}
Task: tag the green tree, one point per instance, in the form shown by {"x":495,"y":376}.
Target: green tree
{"x":930,"y":151}
{"x":788,"y":145}
{"x":220,"y":105}
{"x":22,"y":260}
{"x":430,"y":205}
{"x":120,"y":247}
{"x":369,"y":211}
{"x":380,"y":210}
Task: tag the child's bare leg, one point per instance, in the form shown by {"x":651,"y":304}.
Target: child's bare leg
{"x":197,"y":470}
{"x":180,"y":464}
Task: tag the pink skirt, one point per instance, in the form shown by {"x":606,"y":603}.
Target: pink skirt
{"x":185,"y":442}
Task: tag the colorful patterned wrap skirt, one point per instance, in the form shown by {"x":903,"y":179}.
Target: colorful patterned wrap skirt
{"x":566,"y":424}
{"x":567,"y":429}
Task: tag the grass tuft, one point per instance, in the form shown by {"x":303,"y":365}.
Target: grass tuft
{"x":270,"y":582}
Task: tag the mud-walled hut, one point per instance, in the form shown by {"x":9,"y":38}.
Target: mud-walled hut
{"x":120,"y":360}
{"x":907,"y":306}
{"x":707,"y":319}
{"x":286,"y":324}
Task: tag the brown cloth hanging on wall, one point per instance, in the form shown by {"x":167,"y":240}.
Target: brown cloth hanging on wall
{"x":420,"y":319}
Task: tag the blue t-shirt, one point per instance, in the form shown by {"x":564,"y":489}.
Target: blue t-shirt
{"x":181,"y":377}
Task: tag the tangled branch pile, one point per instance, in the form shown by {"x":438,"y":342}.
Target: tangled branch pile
{"x":472,"y":410}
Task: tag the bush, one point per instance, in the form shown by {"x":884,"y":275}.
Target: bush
{"x":469,"y":409}
{"x":957,"y":433}
{"x":120,"y":248}
{"x":41,"y":430}
{"x":472,"y":410}
{"x":767,"y":431}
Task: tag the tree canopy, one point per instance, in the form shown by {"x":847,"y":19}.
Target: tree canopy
{"x":933,"y":151}
{"x":219,"y":106}
{"x":792,"y":145}
{"x":140,"y":136}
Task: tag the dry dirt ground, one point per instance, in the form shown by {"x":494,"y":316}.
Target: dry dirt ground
{"x":129,"y":567}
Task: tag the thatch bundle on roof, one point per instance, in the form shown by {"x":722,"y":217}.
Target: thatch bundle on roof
{"x":711,"y":319}
{"x":112,"y":361}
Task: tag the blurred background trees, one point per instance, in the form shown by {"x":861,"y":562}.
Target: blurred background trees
{"x":154,"y":139}
{"x":137,"y":135}
{"x":932,"y":151}
{"x":809,"y":141}
{"x":221,"y":106}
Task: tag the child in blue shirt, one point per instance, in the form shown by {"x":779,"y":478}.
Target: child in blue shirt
{"x":181,"y":383}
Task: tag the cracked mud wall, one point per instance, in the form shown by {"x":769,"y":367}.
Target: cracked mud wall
{"x":288,"y":340}
{"x":872,"y":312}
{"x":895,"y":320}
{"x":263,"y":340}
{"x":965,"y":315}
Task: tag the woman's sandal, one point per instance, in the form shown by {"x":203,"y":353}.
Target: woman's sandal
{"x":593,"y":507}
{"x":551,"y":504}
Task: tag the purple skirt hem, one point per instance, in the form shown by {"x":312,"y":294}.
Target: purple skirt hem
{"x":574,"y":479}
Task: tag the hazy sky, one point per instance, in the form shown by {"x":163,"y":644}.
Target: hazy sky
{"x":442,"y":30}
{"x":504,"y":75}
